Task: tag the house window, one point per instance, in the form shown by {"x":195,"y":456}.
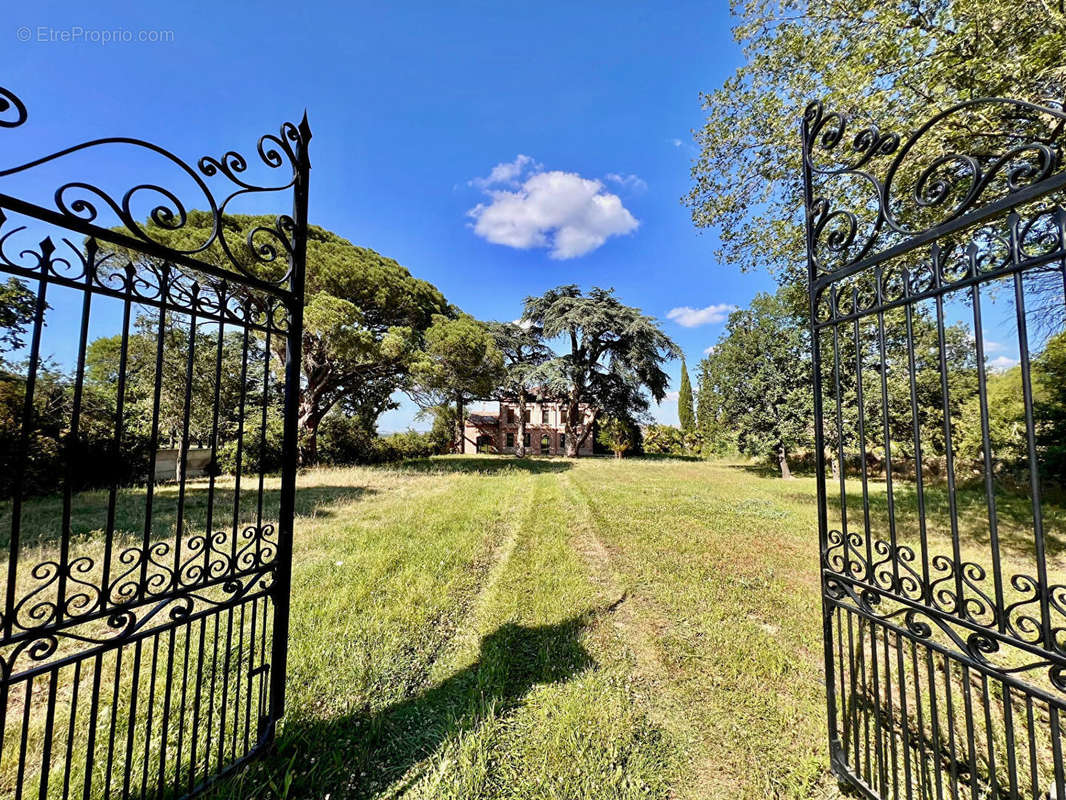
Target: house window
{"x":562,"y":442}
{"x":545,"y":444}
{"x":525,"y":440}
{"x":510,"y":416}
{"x":510,"y":440}
{"x":545,"y":416}
{"x":526,"y":415}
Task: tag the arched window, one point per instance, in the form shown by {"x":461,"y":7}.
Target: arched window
{"x":545,"y":444}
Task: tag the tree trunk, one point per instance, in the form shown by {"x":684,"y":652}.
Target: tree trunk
{"x":180,"y":466}
{"x":459,"y":424}
{"x":834,"y":465}
{"x":572,"y":444}
{"x":782,"y":460}
{"x":520,"y":440}
{"x":618,"y":453}
{"x":310,"y":416}
{"x":586,"y":432}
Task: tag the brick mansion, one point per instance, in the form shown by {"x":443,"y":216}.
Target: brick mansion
{"x":496,"y":431}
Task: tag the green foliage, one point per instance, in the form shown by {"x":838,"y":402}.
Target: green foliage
{"x":17,"y":308}
{"x":460,"y":360}
{"x":891,"y":63}
{"x":760,"y":373}
{"x":1050,"y":407}
{"x":460,"y":363}
{"x":1006,"y":422}
{"x":404,"y":445}
{"x":617,"y":434}
{"x":54,"y":455}
{"x":524,"y":354}
{"x":664,"y":440}
{"x":258,"y":452}
{"x":442,"y":432}
{"x":717,"y":436}
{"x":364,"y":315}
{"x":685,"y":412}
{"x":616,"y":352}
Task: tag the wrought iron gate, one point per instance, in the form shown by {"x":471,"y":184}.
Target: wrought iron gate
{"x":143,"y":622}
{"x":942,"y":564}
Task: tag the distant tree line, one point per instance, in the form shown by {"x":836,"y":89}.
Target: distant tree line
{"x":371,"y":330}
{"x":755,"y":397}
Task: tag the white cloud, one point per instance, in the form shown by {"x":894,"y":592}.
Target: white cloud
{"x":671,"y":397}
{"x":693,"y":317}
{"x":708,"y":350}
{"x":562,"y":211}
{"x":676,"y":142}
{"x":1001,"y":363}
{"x":993,"y":347}
{"x":631,"y":182}
{"x":507,"y":173}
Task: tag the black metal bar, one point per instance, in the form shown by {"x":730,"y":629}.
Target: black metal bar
{"x":290,"y":445}
{"x":984,"y":213}
{"x":144,"y":246}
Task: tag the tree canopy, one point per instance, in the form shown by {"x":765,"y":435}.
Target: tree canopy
{"x":761,"y":370}
{"x":889,"y":63}
{"x":524,"y":352}
{"x":685,"y":413}
{"x":460,"y":363}
{"x":364,"y":318}
{"x":615,"y":353}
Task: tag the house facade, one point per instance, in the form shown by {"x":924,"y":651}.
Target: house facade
{"x":497,"y":431}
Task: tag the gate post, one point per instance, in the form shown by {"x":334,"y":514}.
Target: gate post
{"x":290,"y":441}
{"x":819,"y":451}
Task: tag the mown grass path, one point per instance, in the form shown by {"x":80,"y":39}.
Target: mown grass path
{"x":476,"y":628}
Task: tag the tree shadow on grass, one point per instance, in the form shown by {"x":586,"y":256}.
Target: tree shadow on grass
{"x":359,"y":755}
{"x":664,"y":457}
{"x":41,"y":517}
{"x":486,"y":464}
{"x":1014,"y":514}
{"x":769,"y":470}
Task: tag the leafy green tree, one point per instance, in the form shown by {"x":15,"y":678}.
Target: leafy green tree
{"x":364,"y":316}
{"x":892,"y":63}
{"x":761,"y":368}
{"x":716,"y":435}
{"x":17,"y":308}
{"x":1006,"y":422}
{"x":859,"y":351}
{"x":615,"y":352}
{"x":523,"y":353}
{"x":664,"y":440}
{"x":184,"y":411}
{"x":685,"y":412}
{"x":460,"y":363}
{"x":1050,"y":407}
{"x":617,"y":434}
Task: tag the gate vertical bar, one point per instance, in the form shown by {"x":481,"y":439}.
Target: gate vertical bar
{"x":290,"y":444}
{"x":819,"y":454}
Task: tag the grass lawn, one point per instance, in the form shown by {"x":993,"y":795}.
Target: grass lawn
{"x":484,"y":627}
{"x":561,"y":629}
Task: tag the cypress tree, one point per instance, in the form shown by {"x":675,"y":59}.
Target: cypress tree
{"x":684,"y":402}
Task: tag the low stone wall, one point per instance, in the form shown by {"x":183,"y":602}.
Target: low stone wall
{"x":197,"y":460}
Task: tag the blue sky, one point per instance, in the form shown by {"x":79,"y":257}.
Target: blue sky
{"x":412,"y":106}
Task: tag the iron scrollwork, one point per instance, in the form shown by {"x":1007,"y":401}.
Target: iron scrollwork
{"x":79,"y":202}
{"x":910,"y":186}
